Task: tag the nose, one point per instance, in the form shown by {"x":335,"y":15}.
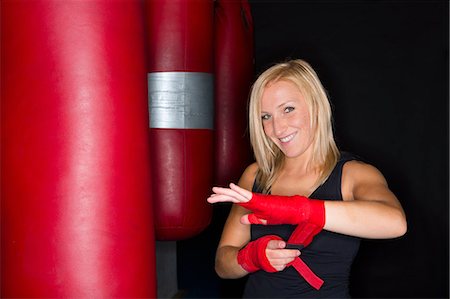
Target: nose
{"x":279,"y":126}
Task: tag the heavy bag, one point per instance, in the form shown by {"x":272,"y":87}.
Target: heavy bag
{"x":76,"y":219}
{"x":181,"y":104}
{"x":234,"y":70}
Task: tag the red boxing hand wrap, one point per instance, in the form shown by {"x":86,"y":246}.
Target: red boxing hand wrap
{"x":307,"y":214}
{"x":303,"y":269}
{"x":253,"y":256}
{"x":285,"y":209}
{"x":304,"y":233}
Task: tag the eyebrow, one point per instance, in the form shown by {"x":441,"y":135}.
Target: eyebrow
{"x":281,"y":105}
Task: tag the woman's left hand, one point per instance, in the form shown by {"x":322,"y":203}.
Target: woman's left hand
{"x":234,"y":194}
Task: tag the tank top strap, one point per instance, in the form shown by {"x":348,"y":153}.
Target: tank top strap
{"x":331,"y":188}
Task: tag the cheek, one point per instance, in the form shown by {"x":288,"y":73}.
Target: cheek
{"x":310,"y":133}
{"x":304,"y":115}
{"x":266,"y":128}
{"x":304,"y":121}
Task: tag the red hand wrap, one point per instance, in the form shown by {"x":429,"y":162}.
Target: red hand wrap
{"x":304,"y":234}
{"x":303,"y":269}
{"x":253,"y":256}
{"x":308,"y":214}
{"x":285,"y":209}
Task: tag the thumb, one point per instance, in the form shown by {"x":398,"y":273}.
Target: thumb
{"x":252,"y":219}
{"x":276,"y":244}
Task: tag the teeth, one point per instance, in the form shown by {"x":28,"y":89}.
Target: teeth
{"x":287,"y":138}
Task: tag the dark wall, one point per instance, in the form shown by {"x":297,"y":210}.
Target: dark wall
{"x":385,"y":66}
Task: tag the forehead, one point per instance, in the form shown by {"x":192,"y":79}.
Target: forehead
{"x":280,"y":92}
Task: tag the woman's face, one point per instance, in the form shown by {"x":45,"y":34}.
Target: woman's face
{"x":285,"y":118}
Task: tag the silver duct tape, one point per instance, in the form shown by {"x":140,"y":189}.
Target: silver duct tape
{"x":181,"y":100}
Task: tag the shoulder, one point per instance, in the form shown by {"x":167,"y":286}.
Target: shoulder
{"x":356,"y":174}
{"x":248,"y":176}
{"x":359,"y":169}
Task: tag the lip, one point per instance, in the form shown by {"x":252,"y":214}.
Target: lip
{"x":287,"y":138}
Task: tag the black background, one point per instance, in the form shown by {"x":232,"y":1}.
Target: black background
{"x":385,"y":67}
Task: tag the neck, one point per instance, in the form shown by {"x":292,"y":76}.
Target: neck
{"x":301,"y":164}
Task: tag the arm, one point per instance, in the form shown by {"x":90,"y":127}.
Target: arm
{"x":369,"y":209}
{"x":236,"y":235}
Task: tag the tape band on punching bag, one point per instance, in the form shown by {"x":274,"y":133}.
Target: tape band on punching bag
{"x":181,"y":111}
{"x":181,"y":100}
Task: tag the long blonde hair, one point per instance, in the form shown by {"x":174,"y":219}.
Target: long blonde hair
{"x":268,"y":156}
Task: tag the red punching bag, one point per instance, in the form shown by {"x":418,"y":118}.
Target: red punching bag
{"x":76,"y":217}
{"x":233,"y":57}
{"x":181,"y":104}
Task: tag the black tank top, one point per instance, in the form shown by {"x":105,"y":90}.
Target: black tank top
{"x":330,"y":255}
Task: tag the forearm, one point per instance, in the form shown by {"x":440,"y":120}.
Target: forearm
{"x":375,"y":215}
{"x":365,"y":219}
{"x":226,"y":263}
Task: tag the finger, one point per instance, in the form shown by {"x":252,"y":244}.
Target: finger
{"x":221,"y":198}
{"x":229,"y":192}
{"x":280,"y":258}
{"x":252,"y":219}
{"x":217,"y":191}
{"x":279,"y":267}
{"x":282,"y":255}
{"x":280,"y":263}
{"x":245,"y":193}
{"x":211,"y":199}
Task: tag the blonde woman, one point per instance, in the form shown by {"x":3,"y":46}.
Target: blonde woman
{"x":302,"y":207}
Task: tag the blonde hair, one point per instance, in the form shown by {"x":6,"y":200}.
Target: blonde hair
{"x":268,"y":156}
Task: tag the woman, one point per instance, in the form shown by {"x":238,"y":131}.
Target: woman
{"x":302,"y":242}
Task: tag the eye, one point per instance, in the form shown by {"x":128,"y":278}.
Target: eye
{"x":289,"y":109}
{"x":265,"y":116}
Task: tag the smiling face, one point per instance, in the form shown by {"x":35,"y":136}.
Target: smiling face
{"x":286,"y":120}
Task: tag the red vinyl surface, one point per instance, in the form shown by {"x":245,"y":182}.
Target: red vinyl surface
{"x":180,"y":38}
{"x":182,"y":178}
{"x":234,"y":69}
{"x":180,"y":35}
{"x":76,"y":220}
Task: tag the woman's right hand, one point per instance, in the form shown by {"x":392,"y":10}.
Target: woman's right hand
{"x":267,"y":253}
{"x":278,"y":256}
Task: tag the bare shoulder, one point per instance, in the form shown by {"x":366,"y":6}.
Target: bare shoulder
{"x":248,"y":176}
{"x":358,"y":170}
{"x":357,"y":174}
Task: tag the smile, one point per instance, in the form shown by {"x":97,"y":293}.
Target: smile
{"x":287,"y":138}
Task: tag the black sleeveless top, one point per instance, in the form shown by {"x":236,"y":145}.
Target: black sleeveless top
{"x":330,"y":255}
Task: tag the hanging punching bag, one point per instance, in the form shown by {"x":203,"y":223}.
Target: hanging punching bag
{"x":76,"y":219}
{"x":233,"y":57}
{"x":181,"y":103}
